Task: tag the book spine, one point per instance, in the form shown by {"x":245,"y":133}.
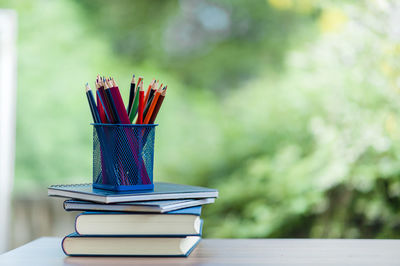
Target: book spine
{"x":76,"y":222}
{"x":62,"y":245}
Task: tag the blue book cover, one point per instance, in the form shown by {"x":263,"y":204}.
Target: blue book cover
{"x":162,"y":191}
{"x":192,"y":210}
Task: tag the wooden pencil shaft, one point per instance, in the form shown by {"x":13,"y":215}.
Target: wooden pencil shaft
{"x":153,"y":104}
{"x":149,"y":89}
{"x":93,"y":109}
{"x":140,"y":108}
{"x":131,"y":97}
{"x":151,"y":97}
{"x":156,"y":109}
{"x":152,"y":92}
{"x":119,"y":105}
{"x":103,"y":106}
{"x":135,"y":105}
{"x":146,"y":109}
{"x":106,"y":104}
{"x":112,"y":107}
{"x":100,"y":108}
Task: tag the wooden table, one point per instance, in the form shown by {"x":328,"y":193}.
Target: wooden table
{"x":47,"y":251}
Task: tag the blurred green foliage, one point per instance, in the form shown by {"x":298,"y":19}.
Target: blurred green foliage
{"x":289,"y":108}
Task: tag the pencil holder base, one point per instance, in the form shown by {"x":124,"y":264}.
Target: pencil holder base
{"x":124,"y":188}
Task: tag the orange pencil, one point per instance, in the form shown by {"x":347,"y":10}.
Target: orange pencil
{"x":151,"y":97}
{"x":153,"y":104}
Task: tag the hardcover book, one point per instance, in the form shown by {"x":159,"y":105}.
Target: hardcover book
{"x":177,"y":223}
{"x":75,"y":245}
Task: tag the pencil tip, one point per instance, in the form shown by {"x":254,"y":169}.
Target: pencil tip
{"x":87,"y":88}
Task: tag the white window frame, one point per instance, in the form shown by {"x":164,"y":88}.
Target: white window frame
{"x":8,"y":87}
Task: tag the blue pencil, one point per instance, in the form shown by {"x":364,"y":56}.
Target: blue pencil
{"x":92,"y":104}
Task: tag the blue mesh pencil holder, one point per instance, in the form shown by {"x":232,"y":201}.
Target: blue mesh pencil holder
{"x":123,"y":157}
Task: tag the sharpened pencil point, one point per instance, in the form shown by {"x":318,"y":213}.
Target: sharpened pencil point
{"x":164,"y":91}
{"x":87,"y":87}
{"x":113,"y":82}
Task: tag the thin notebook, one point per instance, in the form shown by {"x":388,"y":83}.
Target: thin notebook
{"x":162,"y":191}
{"x":159,"y":206}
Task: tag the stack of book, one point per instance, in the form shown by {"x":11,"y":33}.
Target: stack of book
{"x":163,"y":222}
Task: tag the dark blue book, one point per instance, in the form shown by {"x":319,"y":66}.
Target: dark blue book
{"x":154,"y":246}
{"x":162,"y":191}
{"x":182,"y":222}
{"x":156,"y":206}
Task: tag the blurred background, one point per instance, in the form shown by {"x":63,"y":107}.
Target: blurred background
{"x":290,"y":108}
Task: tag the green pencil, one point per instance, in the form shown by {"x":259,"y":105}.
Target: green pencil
{"x":135,"y":105}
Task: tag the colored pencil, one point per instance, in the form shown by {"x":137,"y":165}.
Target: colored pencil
{"x":109,"y":106}
{"x":151,"y":86}
{"x":131,"y":94}
{"x":100,"y":106}
{"x":151,"y":96}
{"x":101,"y":101}
{"x":141,"y":105}
{"x":133,"y":111}
{"x":158,"y":106}
{"x":104,"y":98}
{"x":92,"y":104}
{"x":119,"y":103}
{"x":152,"y":106}
{"x":110,"y":100}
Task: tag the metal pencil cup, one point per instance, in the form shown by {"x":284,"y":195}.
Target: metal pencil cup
{"x":123,"y":157}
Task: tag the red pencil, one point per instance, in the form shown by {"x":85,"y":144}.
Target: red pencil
{"x":141,"y":105}
{"x":119,"y":103}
